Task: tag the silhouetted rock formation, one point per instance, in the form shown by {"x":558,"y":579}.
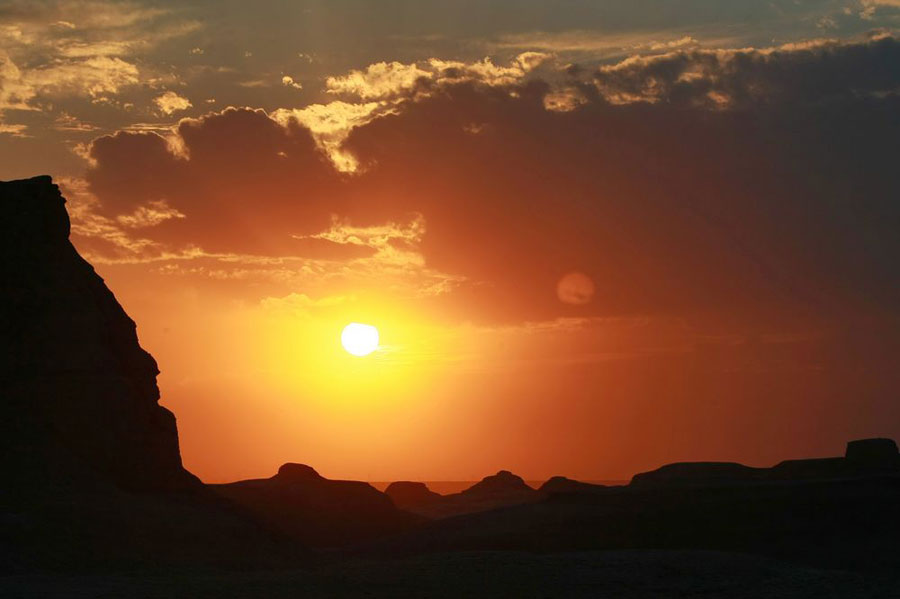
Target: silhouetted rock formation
{"x":79,"y":391}
{"x":831,"y":512}
{"x":406,"y":494}
{"x":502,"y":483}
{"x":837,"y":523}
{"x":498,"y":490}
{"x":808,"y":469}
{"x":864,"y":457}
{"x":697,"y":473}
{"x":561,"y":484}
{"x":94,"y":473}
{"x":319,"y":511}
{"x":872,"y":454}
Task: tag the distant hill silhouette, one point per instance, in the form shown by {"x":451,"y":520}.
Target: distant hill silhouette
{"x":501,"y":484}
{"x":829,"y":512}
{"x":406,"y":494}
{"x":319,"y":511}
{"x":864,"y":457}
{"x":561,"y":484}
{"x":498,"y":490}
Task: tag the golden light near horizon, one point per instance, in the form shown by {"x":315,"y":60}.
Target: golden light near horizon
{"x":359,"y":339}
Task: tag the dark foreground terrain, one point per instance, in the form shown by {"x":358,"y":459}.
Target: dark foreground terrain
{"x":614,"y":574}
{"x":95,"y":501}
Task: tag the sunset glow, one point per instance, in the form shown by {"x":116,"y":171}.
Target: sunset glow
{"x":425,"y":241}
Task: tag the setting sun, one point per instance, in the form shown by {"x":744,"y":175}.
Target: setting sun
{"x":359,"y":339}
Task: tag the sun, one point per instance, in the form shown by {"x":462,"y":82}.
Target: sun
{"x":359,"y":339}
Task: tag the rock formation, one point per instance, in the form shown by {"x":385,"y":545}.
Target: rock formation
{"x":872,"y":455}
{"x":80,"y":395}
{"x":561,"y":484}
{"x":502,"y":483}
{"x":94,"y":474}
{"x":321,"y":512}
{"x":498,"y":490}
{"x":863,"y":457}
{"x":406,"y":494}
{"x":697,"y":473}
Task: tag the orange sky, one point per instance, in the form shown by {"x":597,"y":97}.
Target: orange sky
{"x":592,"y":242}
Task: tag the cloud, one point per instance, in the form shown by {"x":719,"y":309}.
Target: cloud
{"x":67,"y":122}
{"x":301,"y":305}
{"x":391,"y":81}
{"x":14,"y":130}
{"x":94,"y":76}
{"x":55,"y":51}
{"x":868,"y":8}
{"x":331,"y":123}
{"x":709,"y":185}
{"x":812,"y":71}
{"x":378,"y":81}
{"x":383,"y":87}
{"x":170,"y":102}
{"x":391,"y":243}
{"x":289,"y":82}
{"x":149,"y":215}
{"x":218,"y":169}
{"x":593,"y":45}
{"x":15,"y":92}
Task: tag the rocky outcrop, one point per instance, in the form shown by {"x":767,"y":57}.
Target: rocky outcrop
{"x":93,"y":474}
{"x":407,"y":494}
{"x":872,"y":455}
{"x":498,"y":490}
{"x":697,"y":473}
{"x":561,"y":484}
{"x":502,"y":483}
{"x":80,"y":400}
{"x":300,"y":502}
{"x":864,"y":457}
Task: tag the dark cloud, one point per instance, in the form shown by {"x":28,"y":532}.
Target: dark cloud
{"x":811,"y":73}
{"x":757,"y":186}
{"x":243,"y":182}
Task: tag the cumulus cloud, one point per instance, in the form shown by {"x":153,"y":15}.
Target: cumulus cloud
{"x":811,"y":71}
{"x":380,"y":88}
{"x":170,"y":102}
{"x":215,"y":169}
{"x":668,"y":200}
{"x":390,"y":81}
{"x":331,"y":123}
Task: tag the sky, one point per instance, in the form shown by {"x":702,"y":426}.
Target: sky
{"x":595,"y":236}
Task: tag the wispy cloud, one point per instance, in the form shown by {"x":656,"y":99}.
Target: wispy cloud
{"x":87,"y":49}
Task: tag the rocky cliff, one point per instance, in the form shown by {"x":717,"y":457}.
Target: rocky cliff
{"x":79,"y":394}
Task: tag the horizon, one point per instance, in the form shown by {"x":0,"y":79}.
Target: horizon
{"x":427,"y":243}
